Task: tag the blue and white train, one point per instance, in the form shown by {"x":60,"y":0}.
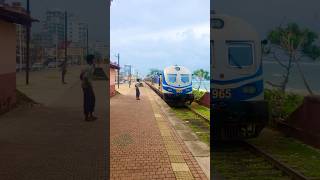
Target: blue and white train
{"x":238,"y":107}
{"x":174,"y":85}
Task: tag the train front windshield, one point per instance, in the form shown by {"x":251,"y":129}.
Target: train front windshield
{"x":172,"y":78}
{"x":240,"y":54}
{"x":185,"y":78}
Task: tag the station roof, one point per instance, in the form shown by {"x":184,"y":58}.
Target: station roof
{"x":11,"y":15}
{"x":114,"y":66}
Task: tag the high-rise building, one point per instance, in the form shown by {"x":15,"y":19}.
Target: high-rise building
{"x":77,"y":31}
{"x":54,"y":25}
{"x":100,"y":49}
{"x":21,"y":45}
{"x":127,"y":69}
{"x":53,"y":32}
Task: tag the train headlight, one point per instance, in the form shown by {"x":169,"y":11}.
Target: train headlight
{"x":249,"y":89}
{"x":217,"y":23}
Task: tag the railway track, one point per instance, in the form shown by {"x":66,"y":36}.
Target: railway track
{"x":197,"y":122}
{"x":242,"y":160}
{"x":188,"y":107}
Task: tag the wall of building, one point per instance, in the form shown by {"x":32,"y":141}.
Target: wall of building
{"x":7,"y":65}
{"x":113,"y":73}
{"x":205,"y":100}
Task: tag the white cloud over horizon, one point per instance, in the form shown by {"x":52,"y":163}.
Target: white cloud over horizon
{"x":162,"y":33}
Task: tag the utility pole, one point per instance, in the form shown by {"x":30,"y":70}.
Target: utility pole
{"x":118,"y":56}
{"x":87,"y":40}
{"x":57,"y":42}
{"x":64,"y":64}
{"x":28,"y":44}
{"x":20,"y":46}
{"x":65,"y":37}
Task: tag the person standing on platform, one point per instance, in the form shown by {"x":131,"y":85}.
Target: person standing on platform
{"x":137,"y":89}
{"x":63,"y":71}
{"x":88,"y":93}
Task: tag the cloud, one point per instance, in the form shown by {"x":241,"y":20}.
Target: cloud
{"x":173,"y":35}
{"x":183,"y":46}
{"x":161,"y":33}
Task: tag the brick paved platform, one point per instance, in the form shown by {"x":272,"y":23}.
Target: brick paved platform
{"x":53,"y":142}
{"x":143,"y":143}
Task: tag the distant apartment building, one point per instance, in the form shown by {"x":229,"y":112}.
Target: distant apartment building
{"x":21,"y":45}
{"x":77,"y":31}
{"x":100,"y":49}
{"x":53,"y":35}
{"x":127,"y":70}
{"x":127,"y":73}
{"x":53,"y":26}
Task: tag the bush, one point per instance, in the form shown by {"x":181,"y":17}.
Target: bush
{"x":198,"y":94}
{"x":281,"y":105}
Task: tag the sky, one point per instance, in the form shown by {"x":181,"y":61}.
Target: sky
{"x":264,"y":15}
{"x":156,"y":34}
{"x":92,"y":12}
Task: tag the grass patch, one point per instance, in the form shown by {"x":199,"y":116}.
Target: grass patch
{"x":295,"y":154}
{"x":199,"y":126}
{"x":236,"y":162}
{"x":204,"y":111}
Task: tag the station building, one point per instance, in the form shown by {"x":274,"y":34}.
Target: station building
{"x":114,"y":68}
{"x":9,"y":18}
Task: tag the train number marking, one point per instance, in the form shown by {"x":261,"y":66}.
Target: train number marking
{"x":221,"y":93}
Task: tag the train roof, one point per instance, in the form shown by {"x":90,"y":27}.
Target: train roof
{"x":172,"y":69}
{"x":231,"y":28}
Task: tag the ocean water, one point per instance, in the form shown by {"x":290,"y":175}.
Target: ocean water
{"x":273,"y":72}
{"x":205,"y":85}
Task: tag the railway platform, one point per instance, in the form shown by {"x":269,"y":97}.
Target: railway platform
{"x":52,"y":141}
{"x":144,"y":145}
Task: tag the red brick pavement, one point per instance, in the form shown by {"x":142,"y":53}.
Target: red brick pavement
{"x":137,"y":149}
{"x":54,"y":143}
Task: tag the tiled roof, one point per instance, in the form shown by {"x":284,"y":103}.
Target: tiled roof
{"x":114,"y":66}
{"x":14,"y":16}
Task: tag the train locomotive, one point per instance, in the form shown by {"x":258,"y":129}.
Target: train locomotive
{"x":174,"y":85}
{"x":238,"y":109}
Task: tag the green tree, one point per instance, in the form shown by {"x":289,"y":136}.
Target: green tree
{"x":201,"y":75}
{"x":153,"y":72}
{"x":293,"y":43}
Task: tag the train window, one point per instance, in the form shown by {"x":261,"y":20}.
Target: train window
{"x":172,"y":78}
{"x":240,"y":54}
{"x":185,"y":78}
{"x":212,"y":53}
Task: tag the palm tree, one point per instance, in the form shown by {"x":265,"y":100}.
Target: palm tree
{"x":201,"y":75}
